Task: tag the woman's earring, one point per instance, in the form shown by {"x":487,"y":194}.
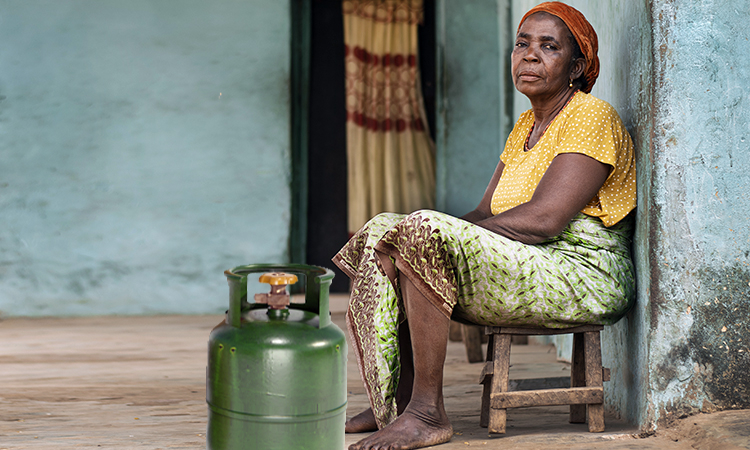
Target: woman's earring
{"x":571,"y":83}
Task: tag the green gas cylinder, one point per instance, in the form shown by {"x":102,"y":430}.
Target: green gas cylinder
{"x":276,"y":375}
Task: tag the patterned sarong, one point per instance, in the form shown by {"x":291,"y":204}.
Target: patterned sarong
{"x":583,"y":276}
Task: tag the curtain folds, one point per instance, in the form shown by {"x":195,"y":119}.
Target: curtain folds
{"x":390,"y":155}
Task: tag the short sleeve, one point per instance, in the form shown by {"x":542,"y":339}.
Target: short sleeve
{"x":594,"y":129}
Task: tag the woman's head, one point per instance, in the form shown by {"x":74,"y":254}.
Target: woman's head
{"x":556,"y":43}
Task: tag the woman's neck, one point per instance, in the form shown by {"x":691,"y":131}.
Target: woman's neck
{"x":545,"y":111}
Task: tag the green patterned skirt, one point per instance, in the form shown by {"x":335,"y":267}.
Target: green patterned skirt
{"x":583,"y":276}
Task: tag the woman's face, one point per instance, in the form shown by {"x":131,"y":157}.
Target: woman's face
{"x":542,"y":58}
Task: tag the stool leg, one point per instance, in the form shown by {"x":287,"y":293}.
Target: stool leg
{"x":484,"y":415}
{"x":593,"y":350}
{"x":472,"y":337}
{"x":454,"y":333}
{"x":499,"y":382}
{"x":578,"y":377}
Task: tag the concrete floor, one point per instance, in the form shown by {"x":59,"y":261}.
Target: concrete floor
{"x":139,"y":383}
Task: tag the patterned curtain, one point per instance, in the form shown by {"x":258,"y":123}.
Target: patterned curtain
{"x":390,"y":155}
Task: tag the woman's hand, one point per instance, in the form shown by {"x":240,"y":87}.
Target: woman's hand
{"x":569,"y":183}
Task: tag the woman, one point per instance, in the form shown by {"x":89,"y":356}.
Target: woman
{"x":548,"y":244}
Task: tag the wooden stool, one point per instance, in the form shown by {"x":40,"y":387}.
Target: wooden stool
{"x":586,"y":380}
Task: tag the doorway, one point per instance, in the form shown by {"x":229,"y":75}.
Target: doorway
{"x":326,"y":230}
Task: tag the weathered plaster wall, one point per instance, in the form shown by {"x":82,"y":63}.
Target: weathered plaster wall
{"x":473,"y":104}
{"x":625,"y":82}
{"x":144,"y":148}
{"x":699,"y":230}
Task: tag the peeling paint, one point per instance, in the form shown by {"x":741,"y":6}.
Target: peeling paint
{"x":720,"y":337}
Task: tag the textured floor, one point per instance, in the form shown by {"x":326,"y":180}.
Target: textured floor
{"x":139,"y":383}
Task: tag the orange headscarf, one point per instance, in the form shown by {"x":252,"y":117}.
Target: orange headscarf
{"x":582,"y":31}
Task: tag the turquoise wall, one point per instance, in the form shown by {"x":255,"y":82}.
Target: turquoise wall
{"x":144,"y":148}
{"x":473,"y":114}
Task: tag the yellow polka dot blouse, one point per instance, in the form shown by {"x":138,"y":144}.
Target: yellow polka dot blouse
{"x":586,"y":125}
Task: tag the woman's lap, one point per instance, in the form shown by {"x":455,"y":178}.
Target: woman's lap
{"x":488,"y":279}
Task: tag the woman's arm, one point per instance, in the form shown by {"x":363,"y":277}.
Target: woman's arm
{"x":569,"y":183}
{"x":484,"y":210}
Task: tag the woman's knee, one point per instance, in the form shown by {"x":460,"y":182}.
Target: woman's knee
{"x":423,"y":214}
{"x":383,"y":221}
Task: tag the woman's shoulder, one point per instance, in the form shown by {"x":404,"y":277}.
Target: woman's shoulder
{"x":587,"y":104}
{"x":525,"y":119}
{"x":523,"y":124}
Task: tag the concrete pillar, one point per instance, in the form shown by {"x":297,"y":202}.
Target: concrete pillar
{"x":695,"y":227}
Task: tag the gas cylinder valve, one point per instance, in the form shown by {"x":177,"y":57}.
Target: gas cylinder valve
{"x":278,"y":298}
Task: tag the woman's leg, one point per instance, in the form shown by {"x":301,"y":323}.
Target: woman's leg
{"x":365,"y":421}
{"x":424,"y":421}
{"x":373,"y":319}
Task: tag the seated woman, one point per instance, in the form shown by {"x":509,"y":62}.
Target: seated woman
{"x":548,"y":245}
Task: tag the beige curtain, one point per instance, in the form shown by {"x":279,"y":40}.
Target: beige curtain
{"x":390,"y":156}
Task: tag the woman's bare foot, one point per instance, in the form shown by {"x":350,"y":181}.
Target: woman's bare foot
{"x":365,"y":422}
{"x":419,"y":426}
{"x":362,"y":422}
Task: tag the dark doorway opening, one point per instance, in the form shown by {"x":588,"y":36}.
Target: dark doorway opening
{"x":327,"y":191}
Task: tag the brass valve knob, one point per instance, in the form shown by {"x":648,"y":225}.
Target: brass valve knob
{"x":278,"y":278}
{"x":277,"y":298}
